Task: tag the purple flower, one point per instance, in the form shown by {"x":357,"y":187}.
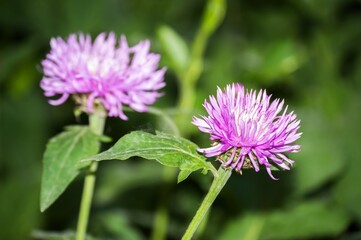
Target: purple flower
{"x":102,"y":72}
{"x":248,"y":129}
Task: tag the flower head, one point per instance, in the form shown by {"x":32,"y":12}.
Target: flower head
{"x":249,"y":129}
{"x":102,"y":72}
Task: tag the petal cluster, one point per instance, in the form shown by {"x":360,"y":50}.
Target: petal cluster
{"x":106,"y":71}
{"x":249,"y":128}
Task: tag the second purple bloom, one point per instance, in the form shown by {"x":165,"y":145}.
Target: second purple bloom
{"x":103,"y":72}
{"x":249,"y":128}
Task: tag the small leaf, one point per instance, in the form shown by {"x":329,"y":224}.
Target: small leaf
{"x":175,"y":48}
{"x":183,"y":175}
{"x":61,"y":161}
{"x":168,"y":150}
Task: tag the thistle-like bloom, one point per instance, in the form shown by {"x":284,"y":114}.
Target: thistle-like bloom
{"x":102,"y":72}
{"x":249,"y":129}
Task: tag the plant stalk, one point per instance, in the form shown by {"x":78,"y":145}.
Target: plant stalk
{"x":213,"y":16}
{"x":216,"y":187}
{"x":96,"y":123}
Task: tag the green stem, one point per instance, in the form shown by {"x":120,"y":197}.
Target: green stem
{"x":86,"y":201}
{"x":202,"y":226}
{"x":96,"y":123}
{"x":212,"y":17}
{"x":216,"y":187}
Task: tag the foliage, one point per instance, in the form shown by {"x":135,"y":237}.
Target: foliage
{"x":307,"y":52}
{"x":168,"y":150}
{"x":62,"y":161}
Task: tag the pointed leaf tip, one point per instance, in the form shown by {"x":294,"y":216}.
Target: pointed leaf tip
{"x":168,"y":150}
{"x":61,"y":161}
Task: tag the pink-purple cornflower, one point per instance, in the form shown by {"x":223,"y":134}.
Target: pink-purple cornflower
{"x":248,"y":129}
{"x":103,"y":72}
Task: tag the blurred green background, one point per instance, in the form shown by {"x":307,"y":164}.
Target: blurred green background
{"x":306,"y":51}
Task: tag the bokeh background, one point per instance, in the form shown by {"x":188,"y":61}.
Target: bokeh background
{"x":307,"y":52}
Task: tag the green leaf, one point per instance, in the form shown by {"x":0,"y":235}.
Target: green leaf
{"x":307,"y":220}
{"x":345,"y":191}
{"x":320,"y":158}
{"x":246,"y":227}
{"x":175,"y":48}
{"x":61,"y":161}
{"x":183,"y":175}
{"x":168,"y":150}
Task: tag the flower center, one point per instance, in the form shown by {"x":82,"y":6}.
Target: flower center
{"x":93,"y":65}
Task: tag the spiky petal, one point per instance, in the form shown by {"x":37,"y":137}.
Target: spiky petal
{"x":249,"y":128}
{"x":103,"y":71}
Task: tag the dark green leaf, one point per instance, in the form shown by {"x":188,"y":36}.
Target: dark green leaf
{"x":168,"y":150}
{"x":61,"y":161}
{"x":304,"y":221}
{"x":346,"y":192}
{"x":320,"y":158}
